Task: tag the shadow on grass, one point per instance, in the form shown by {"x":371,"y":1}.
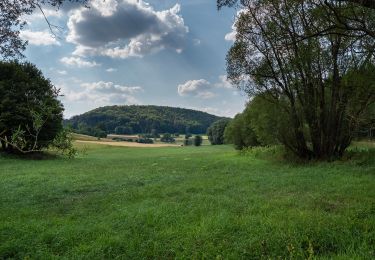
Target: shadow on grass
{"x":30,"y":156}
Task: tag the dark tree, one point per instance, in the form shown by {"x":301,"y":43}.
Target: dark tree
{"x":216,"y":131}
{"x":197,"y":140}
{"x":167,"y":138}
{"x":30,"y":113}
{"x":306,"y":55}
{"x":240,"y":133}
{"x":12,"y":13}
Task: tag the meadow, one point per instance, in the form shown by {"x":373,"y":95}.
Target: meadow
{"x":207,"y":202}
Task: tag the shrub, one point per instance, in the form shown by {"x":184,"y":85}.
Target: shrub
{"x":145,"y":141}
{"x":197,"y":140}
{"x":167,"y":138}
{"x":216,"y":131}
{"x":240,"y":133}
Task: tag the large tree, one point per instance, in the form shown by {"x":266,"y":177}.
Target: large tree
{"x":308,"y":55}
{"x":12,"y":14}
{"x":30,"y":113}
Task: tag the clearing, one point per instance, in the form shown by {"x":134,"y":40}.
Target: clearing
{"x":185,"y":202}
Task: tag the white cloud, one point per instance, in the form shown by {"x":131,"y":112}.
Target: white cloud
{"x":100,"y":93}
{"x":202,"y":88}
{"x":198,"y":88}
{"x":231,"y":36}
{"x":196,"y":42}
{"x":111,"y":70}
{"x":78,"y":62}
{"x":62,"y":72}
{"x":110,"y":87}
{"x":39,"y":37}
{"x":125,"y":28}
{"x":224,"y":82}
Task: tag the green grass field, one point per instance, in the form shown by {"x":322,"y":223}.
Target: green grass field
{"x":185,"y":202}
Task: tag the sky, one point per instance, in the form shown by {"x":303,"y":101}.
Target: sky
{"x":125,"y":52}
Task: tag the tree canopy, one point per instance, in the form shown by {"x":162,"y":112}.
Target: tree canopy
{"x":142,"y":119}
{"x":315,"y":59}
{"x":30,"y":113}
{"x":215,"y":132}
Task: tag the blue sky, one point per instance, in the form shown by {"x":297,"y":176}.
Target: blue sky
{"x":119,"y":52}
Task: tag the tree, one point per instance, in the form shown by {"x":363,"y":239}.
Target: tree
{"x":197,"y":140}
{"x":240,"y":133}
{"x":216,"y":131}
{"x":187,"y":140}
{"x":364,"y":3}
{"x":12,"y":13}
{"x":305,"y":55}
{"x":123,"y":130}
{"x":167,"y":138}
{"x":30,"y":113}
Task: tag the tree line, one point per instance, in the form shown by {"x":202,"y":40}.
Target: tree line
{"x":135,"y":119}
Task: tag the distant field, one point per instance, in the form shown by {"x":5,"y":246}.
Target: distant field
{"x":157,"y":143}
{"x":206,"y":202}
{"x":127,"y":144}
{"x":89,"y":138}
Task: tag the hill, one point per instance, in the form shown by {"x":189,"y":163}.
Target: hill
{"x":141,"y":119}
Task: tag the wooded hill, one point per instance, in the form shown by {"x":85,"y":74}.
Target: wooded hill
{"x":141,"y":119}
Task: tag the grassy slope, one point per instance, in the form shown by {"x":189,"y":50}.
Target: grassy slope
{"x":186,"y":203}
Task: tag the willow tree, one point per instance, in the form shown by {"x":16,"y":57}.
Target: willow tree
{"x":316,"y":59}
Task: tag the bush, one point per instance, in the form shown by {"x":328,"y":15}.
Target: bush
{"x":197,"y":140}
{"x":30,"y":113}
{"x":145,"y":141}
{"x":187,"y":141}
{"x":216,"y":131}
{"x":240,"y":133}
{"x":167,"y":138}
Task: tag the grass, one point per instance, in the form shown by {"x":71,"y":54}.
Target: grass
{"x":184,"y":202}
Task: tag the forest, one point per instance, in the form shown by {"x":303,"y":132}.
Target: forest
{"x":141,"y":119}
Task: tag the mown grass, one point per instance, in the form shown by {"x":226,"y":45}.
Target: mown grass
{"x":185,"y":202}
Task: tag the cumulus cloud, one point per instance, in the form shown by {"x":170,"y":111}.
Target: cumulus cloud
{"x":39,"y":37}
{"x":198,"y":88}
{"x":125,"y":28}
{"x":101,"y":93}
{"x":110,"y":88}
{"x":224,"y":82}
{"x":111,"y":70}
{"x":78,"y":62}
{"x":202,"y":88}
{"x":231,"y":36}
{"x":62,"y":72}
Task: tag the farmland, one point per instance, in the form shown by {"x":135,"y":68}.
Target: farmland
{"x":186,"y":202}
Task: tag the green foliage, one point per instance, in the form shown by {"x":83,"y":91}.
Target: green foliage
{"x":63,"y":143}
{"x":187,"y":140}
{"x":30,"y":113}
{"x":319,"y":89}
{"x":215,"y":132}
{"x":167,"y":138}
{"x":267,"y":119}
{"x":185,"y":203}
{"x":124,"y":130}
{"x":142,"y":119}
{"x":145,"y":140}
{"x":198,"y":140}
{"x":240,"y":132}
